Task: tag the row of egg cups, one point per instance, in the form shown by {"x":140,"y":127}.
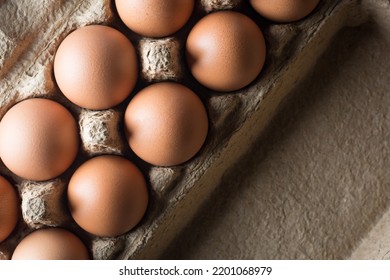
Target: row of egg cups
{"x":225,"y":50}
{"x":157,"y":19}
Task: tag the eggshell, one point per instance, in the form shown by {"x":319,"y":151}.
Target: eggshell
{"x":284,"y":10}
{"x":155,"y":18}
{"x":96,"y":67}
{"x":38,"y":139}
{"x":225,"y":51}
{"x":166,"y":124}
{"x":9,"y":208}
{"x":51,"y":244}
{"x":107,"y":195}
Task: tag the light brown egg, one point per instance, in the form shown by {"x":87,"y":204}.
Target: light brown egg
{"x":107,"y":196}
{"x":284,"y":10}
{"x":38,"y":139}
{"x":155,"y":18}
{"x":166,"y":124}
{"x":9,"y":208}
{"x":51,"y":244}
{"x":225,"y":51}
{"x":96,"y":67}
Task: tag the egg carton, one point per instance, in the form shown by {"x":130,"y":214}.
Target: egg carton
{"x":30,"y":33}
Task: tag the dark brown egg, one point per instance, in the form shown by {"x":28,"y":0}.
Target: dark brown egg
{"x":155,"y":18}
{"x":107,"y":196}
{"x":284,"y":10}
{"x":38,"y":139}
{"x":225,"y":51}
{"x":166,"y":124}
{"x":96,"y":67}
{"x":9,"y":208}
{"x":51,"y":244}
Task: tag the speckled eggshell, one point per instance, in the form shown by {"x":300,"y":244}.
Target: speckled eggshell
{"x":225,"y":51}
{"x":166,"y":124}
{"x":38,"y":139}
{"x":107,"y":196}
{"x":284,"y":10}
{"x":9,"y":208}
{"x":155,"y":18}
{"x":51,"y":244}
{"x":96,"y":67}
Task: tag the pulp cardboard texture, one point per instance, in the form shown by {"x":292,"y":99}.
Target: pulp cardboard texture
{"x":30,"y":33}
{"x":316,"y":183}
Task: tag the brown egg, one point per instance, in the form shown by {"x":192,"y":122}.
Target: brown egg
{"x":284,"y":10}
{"x":166,"y":124}
{"x":51,"y":244}
{"x":96,"y":67}
{"x":225,"y":51}
{"x":107,"y":196}
{"x":155,"y":18}
{"x":38,"y":139}
{"x":9,"y":209}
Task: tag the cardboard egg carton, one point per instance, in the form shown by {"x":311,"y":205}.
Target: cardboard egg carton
{"x":29,"y":37}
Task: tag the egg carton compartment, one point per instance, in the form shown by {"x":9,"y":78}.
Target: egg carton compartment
{"x":211,"y":5}
{"x":30,"y":34}
{"x":160,"y":59}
